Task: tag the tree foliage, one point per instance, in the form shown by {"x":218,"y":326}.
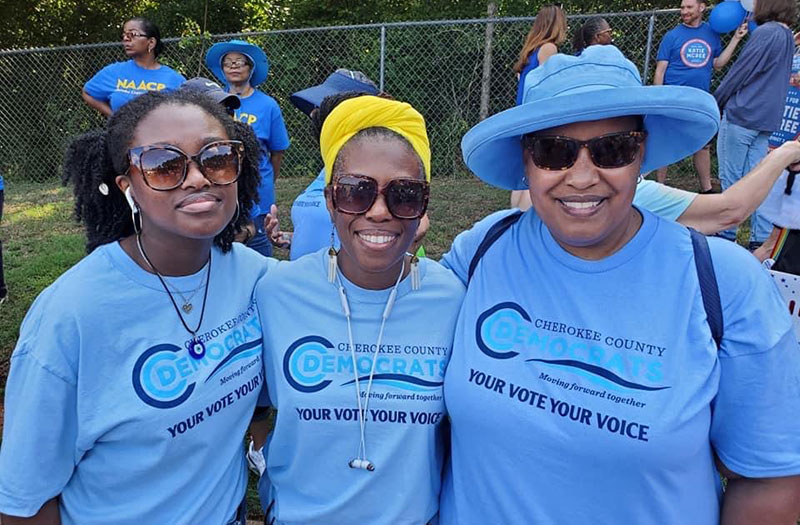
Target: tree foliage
{"x":64,"y":22}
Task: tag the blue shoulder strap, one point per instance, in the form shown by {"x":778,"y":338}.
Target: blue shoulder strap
{"x":708,"y":284}
{"x":702,"y":260}
{"x":492,"y":235}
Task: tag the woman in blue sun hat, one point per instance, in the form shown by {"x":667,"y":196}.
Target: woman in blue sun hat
{"x":241,"y":67}
{"x":599,"y":379}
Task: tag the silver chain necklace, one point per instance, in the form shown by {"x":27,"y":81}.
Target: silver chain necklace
{"x":187,"y":301}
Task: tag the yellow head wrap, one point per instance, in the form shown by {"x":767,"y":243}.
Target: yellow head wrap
{"x":355,"y":114}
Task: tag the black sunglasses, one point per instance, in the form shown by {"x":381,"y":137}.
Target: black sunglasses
{"x":554,"y":152}
{"x":164,"y":167}
{"x":405,"y":198}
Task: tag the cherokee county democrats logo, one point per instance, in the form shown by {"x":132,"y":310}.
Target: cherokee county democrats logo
{"x":506,"y":330}
{"x":165,"y":376}
{"x":311,"y":364}
{"x":695,"y":53}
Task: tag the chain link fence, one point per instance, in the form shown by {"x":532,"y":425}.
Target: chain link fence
{"x":436,"y":66}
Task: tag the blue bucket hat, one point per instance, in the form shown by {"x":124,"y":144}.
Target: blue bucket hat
{"x":339,"y":81}
{"x":258,"y":58}
{"x":599,"y":84}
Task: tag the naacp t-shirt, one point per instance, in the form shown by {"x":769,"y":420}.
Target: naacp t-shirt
{"x":261,"y":112}
{"x":120,"y":82}
{"x":690,"y":53}
{"x":105,"y":408}
{"x":311,"y":380}
{"x":592,"y":391}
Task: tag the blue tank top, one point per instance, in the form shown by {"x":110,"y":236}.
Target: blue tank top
{"x":533,"y":63}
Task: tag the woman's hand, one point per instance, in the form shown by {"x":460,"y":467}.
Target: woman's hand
{"x":278,"y":238}
{"x":793,"y":147}
{"x":741,"y":31}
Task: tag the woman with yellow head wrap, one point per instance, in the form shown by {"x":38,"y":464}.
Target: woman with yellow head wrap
{"x":354,"y":362}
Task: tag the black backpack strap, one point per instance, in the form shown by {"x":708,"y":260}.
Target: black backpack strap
{"x":708,"y":284}
{"x":492,"y":235}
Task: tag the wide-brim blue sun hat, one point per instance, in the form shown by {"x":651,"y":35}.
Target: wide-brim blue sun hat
{"x":217,"y":52}
{"x":599,"y":84}
{"x":340,"y":81}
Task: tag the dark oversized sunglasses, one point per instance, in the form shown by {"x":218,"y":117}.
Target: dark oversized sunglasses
{"x":164,"y":167}
{"x":554,"y":152}
{"x":405,"y":198}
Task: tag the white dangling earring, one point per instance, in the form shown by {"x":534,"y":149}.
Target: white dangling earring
{"x":640,"y":178}
{"x":415,"y":280}
{"x":332,"y":262}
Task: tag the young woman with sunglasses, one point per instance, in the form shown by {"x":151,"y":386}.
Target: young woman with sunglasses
{"x":610,"y":363}
{"x":357,"y":340}
{"x":137,"y":371}
{"x":118,"y":83}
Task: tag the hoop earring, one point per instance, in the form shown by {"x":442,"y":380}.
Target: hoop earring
{"x":332,"y":260}
{"x":236,"y":217}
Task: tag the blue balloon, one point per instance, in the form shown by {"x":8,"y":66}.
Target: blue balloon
{"x":751,"y":26}
{"x":727,"y":16}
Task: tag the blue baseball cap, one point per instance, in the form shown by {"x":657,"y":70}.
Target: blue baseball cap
{"x":339,"y":81}
{"x":257,"y":57}
{"x":599,"y":84}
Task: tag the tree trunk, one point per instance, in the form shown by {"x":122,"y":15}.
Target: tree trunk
{"x":486,"y":78}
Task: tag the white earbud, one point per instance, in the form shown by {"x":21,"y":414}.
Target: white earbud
{"x":129,"y":198}
{"x":364,"y":464}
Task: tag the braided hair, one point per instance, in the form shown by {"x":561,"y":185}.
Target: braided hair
{"x":93,"y":161}
{"x":585,"y":34}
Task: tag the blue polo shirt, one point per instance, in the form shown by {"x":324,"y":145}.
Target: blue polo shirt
{"x":690,"y":53}
{"x":261,"y":112}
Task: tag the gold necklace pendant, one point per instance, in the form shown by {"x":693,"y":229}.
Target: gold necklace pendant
{"x":187,"y":307}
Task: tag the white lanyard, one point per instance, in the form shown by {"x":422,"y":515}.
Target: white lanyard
{"x":361,"y":460}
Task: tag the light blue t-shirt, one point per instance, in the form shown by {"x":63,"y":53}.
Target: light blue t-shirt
{"x":105,"y":407}
{"x":592,"y":391}
{"x":690,"y":53}
{"x":120,"y":82}
{"x":310,"y":379}
{"x":311,"y":220}
{"x":261,"y":112}
{"x":665,"y":201}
